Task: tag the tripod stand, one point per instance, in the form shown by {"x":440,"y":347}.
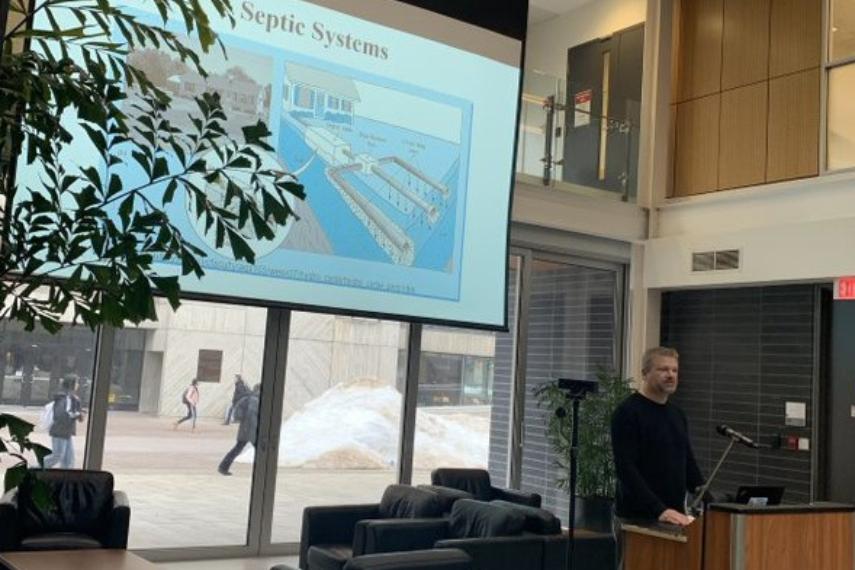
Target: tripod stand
{"x":575,"y":391}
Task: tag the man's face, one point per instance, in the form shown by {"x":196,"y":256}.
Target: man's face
{"x":662,"y":376}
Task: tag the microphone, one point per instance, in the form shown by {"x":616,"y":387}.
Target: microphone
{"x":727,"y":431}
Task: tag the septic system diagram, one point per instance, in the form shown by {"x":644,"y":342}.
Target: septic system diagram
{"x":382,"y":166}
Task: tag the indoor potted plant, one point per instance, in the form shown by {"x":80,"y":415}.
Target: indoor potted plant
{"x":596,"y":481}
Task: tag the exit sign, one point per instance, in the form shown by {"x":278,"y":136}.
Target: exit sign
{"x":844,"y":288}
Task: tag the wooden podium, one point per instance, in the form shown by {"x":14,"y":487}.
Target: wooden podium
{"x":655,"y":547}
{"x":816,"y":536}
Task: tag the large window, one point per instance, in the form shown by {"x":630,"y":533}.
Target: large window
{"x":333,"y":403}
{"x":38,"y":369}
{"x":842,"y":36}
{"x":841,"y":83}
{"x":841,"y":117}
{"x":340,"y":431}
{"x":171,"y":471}
{"x":572,"y":330}
{"x":464,"y":396}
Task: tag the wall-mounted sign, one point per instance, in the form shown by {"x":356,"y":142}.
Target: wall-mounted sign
{"x":844,"y":289}
{"x":795,"y":414}
{"x":582,"y":108}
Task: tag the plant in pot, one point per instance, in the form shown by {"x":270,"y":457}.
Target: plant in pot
{"x":595,"y":485}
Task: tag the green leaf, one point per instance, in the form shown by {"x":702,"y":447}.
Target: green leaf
{"x":40,"y":452}
{"x":94,"y":177}
{"x":126,"y":208}
{"x":169,"y":287}
{"x":115,"y":185}
{"x":19,"y":429}
{"x":14,"y":476}
{"x":169,"y":194}
{"x":240,"y":248}
{"x":161,"y":168}
{"x":253,"y":134}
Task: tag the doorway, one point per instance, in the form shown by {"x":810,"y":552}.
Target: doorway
{"x":839,"y":457}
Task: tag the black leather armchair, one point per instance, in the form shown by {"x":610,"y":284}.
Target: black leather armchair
{"x":332,"y":535}
{"x":85,"y":512}
{"x":477,"y":483}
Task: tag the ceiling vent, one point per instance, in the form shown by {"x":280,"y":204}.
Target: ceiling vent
{"x":722,"y":260}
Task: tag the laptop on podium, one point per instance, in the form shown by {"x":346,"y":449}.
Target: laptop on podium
{"x":759,"y":495}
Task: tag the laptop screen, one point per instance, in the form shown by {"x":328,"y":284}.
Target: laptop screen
{"x":759,"y":496}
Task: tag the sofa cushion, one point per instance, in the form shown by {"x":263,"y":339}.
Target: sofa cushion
{"x":473,"y":481}
{"x":438,"y":559}
{"x":329,"y":556}
{"x":59,"y":541}
{"x":447,"y":495}
{"x":537,"y":521}
{"x":405,"y":502}
{"x":80,"y":502}
{"x":476,"y":519}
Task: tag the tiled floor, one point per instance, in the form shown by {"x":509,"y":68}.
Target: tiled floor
{"x":233,"y":564}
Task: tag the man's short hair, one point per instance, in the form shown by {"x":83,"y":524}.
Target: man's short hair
{"x":656,"y":351}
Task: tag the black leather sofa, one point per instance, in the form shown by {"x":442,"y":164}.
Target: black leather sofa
{"x":84,"y":512}
{"x":497,"y":537}
{"x":477,"y":483}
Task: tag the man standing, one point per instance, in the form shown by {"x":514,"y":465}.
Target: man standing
{"x":247,"y":411}
{"x":650,"y":440}
{"x":240,"y":392}
{"x":67,"y":412}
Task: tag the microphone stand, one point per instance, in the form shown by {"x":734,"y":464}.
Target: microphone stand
{"x":693,"y":508}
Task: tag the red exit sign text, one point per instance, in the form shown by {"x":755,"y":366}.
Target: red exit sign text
{"x":844,"y":288}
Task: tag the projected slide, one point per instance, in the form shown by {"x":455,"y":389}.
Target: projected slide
{"x":400,"y":123}
{"x":381,"y":189}
{"x":383,"y":162}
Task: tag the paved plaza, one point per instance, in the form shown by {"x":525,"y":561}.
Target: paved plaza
{"x":179,"y":500}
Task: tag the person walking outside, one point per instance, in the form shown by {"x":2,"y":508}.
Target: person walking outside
{"x":241,"y":391}
{"x":190,"y":398}
{"x":67,"y":412}
{"x":246,"y":412}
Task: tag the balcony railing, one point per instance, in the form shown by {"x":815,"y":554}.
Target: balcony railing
{"x":568,"y":143}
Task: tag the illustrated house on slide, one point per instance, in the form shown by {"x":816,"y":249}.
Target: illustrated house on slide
{"x":310,"y":92}
{"x":239,"y":95}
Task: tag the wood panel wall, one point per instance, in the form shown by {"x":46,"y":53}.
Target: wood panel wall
{"x":745,"y":98}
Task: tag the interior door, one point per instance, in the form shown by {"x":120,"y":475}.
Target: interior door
{"x":840,"y":467}
{"x":585,"y":72}
{"x":604,"y":111}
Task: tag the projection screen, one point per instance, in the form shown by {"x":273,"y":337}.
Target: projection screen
{"x":401,"y":124}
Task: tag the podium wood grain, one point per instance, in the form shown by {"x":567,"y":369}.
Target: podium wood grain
{"x":644,"y":551}
{"x":780,"y":541}
{"x":76,"y":560}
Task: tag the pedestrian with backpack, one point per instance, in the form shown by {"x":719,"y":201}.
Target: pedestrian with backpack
{"x":190,"y":398}
{"x":246,"y":412}
{"x":67,"y":413}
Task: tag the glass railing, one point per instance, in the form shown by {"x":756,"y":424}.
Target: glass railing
{"x":566,"y":141}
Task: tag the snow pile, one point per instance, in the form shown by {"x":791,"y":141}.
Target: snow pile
{"x":356,"y":425}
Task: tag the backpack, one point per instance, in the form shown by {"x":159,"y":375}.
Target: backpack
{"x":61,"y":418}
{"x":46,"y":417}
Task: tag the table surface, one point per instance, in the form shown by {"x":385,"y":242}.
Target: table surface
{"x":76,"y":560}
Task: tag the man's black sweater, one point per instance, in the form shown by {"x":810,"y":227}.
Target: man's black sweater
{"x":653,"y":457}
